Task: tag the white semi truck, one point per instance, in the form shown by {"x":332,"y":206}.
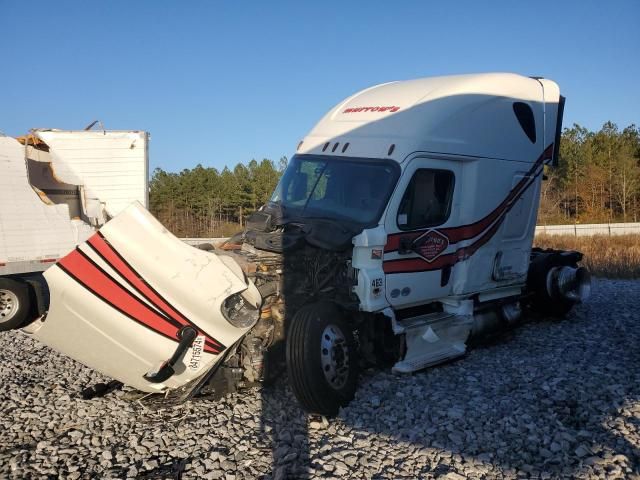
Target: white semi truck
{"x":56,"y":188}
{"x":401,"y":229}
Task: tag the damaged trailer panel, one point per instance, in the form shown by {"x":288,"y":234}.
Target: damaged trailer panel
{"x":34,"y":230}
{"x":57,"y":186}
{"x":111,"y":165}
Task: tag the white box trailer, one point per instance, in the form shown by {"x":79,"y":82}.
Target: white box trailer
{"x":56,"y":188}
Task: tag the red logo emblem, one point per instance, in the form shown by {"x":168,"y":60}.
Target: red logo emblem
{"x":390,"y":108}
{"x":430,"y":245}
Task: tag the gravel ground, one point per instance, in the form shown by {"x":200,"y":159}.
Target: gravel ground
{"x":550,"y":399}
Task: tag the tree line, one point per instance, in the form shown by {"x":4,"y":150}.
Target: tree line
{"x":597,"y":180}
{"x":205,"y":202}
{"x":598,"y":177}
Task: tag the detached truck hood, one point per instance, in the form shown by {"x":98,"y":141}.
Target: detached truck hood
{"x":122,"y":301}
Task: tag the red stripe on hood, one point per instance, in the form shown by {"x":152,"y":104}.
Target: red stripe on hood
{"x":120,"y":265}
{"x":98,"y":282}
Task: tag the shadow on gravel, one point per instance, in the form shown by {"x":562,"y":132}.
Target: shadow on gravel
{"x":283,"y":424}
{"x":285,"y":431}
{"x":550,"y":399}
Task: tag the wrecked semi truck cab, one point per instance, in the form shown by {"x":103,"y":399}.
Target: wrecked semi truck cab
{"x":401,"y":229}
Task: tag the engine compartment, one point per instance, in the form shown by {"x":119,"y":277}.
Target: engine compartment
{"x":291,"y":264}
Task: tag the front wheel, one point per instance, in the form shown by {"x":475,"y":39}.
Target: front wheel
{"x":15,"y":304}
{"x":322,"y":358}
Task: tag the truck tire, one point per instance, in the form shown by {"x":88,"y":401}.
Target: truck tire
{"x":322,"y":358}
{"x":15,"y":304}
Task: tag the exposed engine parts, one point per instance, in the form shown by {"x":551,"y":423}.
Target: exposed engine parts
{"x":288,"y":273}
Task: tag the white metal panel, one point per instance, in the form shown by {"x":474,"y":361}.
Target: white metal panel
{"x":111,"y":165}
{"x":485,"y":190}
{"x":30,"y":229}
{"x":112,"y":335}
{"x":460,"y":114}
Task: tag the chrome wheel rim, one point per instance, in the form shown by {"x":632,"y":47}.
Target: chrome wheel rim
{"x":9,"y":305}
{"x":334,"y":356}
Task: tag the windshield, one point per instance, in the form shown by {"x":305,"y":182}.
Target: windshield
{"x":336,"y":187}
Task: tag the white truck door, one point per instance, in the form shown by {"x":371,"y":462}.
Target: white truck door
{"x":417,"y":255}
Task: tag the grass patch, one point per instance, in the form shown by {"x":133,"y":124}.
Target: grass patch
{"x":616,"y":256}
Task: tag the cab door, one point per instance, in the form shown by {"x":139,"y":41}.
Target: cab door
{"x":418,"y":256}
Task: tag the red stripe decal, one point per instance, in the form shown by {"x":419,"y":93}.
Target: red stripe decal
{"x":417,"y":264}
{"x":114,"y":260}
{"x":116,"y":295}
{"x":465,"y":232}
{"x":109,"y":255}
{"x":111,"y":292}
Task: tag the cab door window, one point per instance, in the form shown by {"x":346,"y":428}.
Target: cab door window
{"x":427,"y":199}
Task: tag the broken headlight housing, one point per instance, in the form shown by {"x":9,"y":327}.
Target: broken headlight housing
{"x":239,"y":312}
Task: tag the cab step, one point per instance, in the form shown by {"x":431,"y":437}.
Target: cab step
{"x":432,"y":339}
{"x":428,"y":359}
{"x":419,"y":321}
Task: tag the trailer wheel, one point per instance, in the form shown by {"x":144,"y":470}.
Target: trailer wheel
{"x":15,"y":304}
{"x":322,"y":359}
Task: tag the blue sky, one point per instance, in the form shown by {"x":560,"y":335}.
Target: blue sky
{"x":224,"y":82}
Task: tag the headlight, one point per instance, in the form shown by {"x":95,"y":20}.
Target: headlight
{"x":239,"y":312}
